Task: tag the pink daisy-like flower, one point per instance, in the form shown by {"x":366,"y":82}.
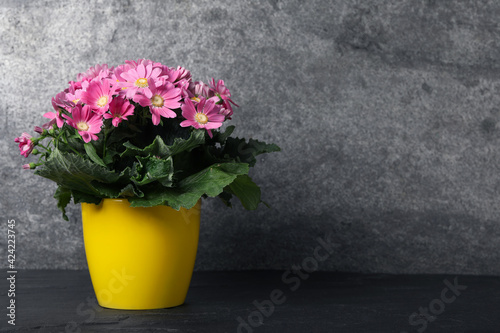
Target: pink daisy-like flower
{"x":226,"y":112}
{"x":145,"y":62}
{"x":197,"y":90}
{"x":50,"y":124}
{"x":25,"y":144}
{"x":58,"y":102}
{"x":120,"y":109}
{"x":184,"y":74}
{"x":98,"y":71}
{"x":221,"y":91}
{"x":98,"y":95}
{"x":162,"y":101}
{"x":175,"y":75}
{"x":137,"y":80}
{"x":75,"y":91}
{"x":87,"y":123}
{"x":204,"y":115}
{"x":55,"y":117}
{"x":201,"y":89}
{"x":117,"y":73}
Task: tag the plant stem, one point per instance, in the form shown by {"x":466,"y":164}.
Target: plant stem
{"x":70,"y":146}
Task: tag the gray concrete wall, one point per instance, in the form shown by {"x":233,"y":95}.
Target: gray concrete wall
{"x":387,"y":113}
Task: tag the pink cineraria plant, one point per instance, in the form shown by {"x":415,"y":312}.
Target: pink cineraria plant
{"x":146,"y":132}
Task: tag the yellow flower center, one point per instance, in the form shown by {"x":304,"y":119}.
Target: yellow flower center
{"x":82,"y":126}
{"x":196,"y":99}
{"x":141,"y":83}
{"x":157,"y":101}
{"x":102,"y":101}
{"x":76,"y":101}
{"x":201,"y":118}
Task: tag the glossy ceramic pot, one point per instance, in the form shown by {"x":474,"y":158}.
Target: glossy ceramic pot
{"x":140,"y":258}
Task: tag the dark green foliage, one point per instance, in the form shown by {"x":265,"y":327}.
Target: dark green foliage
{"x":153,"y":165}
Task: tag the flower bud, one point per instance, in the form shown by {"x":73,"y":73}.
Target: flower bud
{"x":26,"y":144}
{"x":29,"y":166}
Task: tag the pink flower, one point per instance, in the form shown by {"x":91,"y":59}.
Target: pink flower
{"x":120,"y":109}
{"x":78,"y":85}
{"x":137,"y":80}
{"x":60,"y":101}
{"x":98,"y":71}
{"x":197,"y":90}
{"x":25,"y":144}
{"x":221,"y":90}
{"x":223,"y":93}
{"x":205,"y":115}
{"x":226,"y":112}
{"x":50,"y":124}
{"x":38,"y":129}
{"x":87,"y":123}
{"x":117,"y":73}
{"x":145,"y":62}
{"x":74,"y":92}
{"x":98,"y":95}
{"x":201,"y":89}
{"x":184,"y":74}
{"x":26,"y":166}
{"x":56,"y":117}
{"x":162,"y":101}
{"x":175,"y":75}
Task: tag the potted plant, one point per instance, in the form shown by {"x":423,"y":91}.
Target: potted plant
{"x":139,"y":145}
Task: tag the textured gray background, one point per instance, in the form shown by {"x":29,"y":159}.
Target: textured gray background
{"x":387,"y":113}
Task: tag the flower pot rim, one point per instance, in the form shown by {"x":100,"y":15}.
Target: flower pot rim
{"x":124,"y":200}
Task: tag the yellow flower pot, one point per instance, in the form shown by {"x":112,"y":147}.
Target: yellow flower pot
{"x":140,"y":258}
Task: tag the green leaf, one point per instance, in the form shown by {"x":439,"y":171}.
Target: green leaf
{"x":160,"y":149}
{"x":221,"y":137}
{"x":246,"y":152}
{"x":110,"y":153}
{"x":196,"y":139}
{"x":157,"y":148}
{"x":130,"y":191}
{"x":152,"y":169}
{"x":75,"y":173}
{"x":79,"y":197}
{"x":91,"y":152}
{"x":63,"y":197}
{"x":164,"y":196}
{"x":117,"y":190}
{"x":210,"y":181}
{"x":247,"y":191}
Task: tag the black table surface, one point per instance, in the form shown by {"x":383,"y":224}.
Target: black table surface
{"x":264,"y":301}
